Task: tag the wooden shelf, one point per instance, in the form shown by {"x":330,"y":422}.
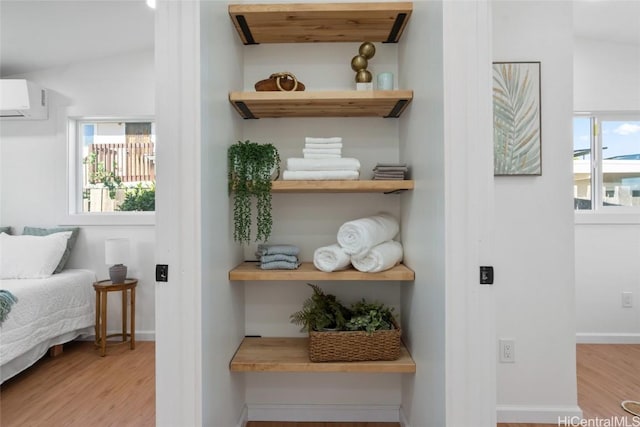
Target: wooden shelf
{"x":251,"y":271}
{"x":291,"y":355}
{"x":348,"y":103}
{"x":363,"y":186}
{"x":320,"y":22}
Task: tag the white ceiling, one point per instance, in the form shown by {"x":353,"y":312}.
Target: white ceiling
{"x":36,"y":35}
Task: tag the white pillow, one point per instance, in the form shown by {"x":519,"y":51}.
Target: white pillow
{"x":31,"y":257}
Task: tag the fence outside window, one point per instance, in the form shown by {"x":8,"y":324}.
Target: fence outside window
{"x":118,"y":163}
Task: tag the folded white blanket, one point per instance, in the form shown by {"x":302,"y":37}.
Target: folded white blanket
{"x":331,"y":140}
{"x":322,"y":156}
{"x":331,"y":258}
{"x":320,"y":175}
{"x":341,"y":164}
{"x":322,"y":150}
{"x":381,"y":257}
{"x":359,"y":236}
{"x":327,"y":145}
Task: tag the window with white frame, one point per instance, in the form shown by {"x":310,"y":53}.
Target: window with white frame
{"x":606,"y":161}
{"x":113,"y":165}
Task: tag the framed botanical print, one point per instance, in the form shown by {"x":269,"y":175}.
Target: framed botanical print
{"x":516,"y":119}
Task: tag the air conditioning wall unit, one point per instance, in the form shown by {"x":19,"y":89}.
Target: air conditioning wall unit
{"x":22,"y":100}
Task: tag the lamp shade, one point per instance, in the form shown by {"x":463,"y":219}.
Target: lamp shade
{"x":116,"y":251}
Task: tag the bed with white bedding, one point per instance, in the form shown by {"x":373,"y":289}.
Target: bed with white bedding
{"x":48,"y":312}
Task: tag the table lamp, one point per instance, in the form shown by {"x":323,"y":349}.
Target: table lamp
{"x":116,"y":253}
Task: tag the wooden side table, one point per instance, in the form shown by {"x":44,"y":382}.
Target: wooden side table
{"x":103,"y":288}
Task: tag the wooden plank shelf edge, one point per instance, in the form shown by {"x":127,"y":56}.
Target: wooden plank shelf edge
{"x":360,"y":186}
{"x":291,"y":355}
{"x":251,"y":271}
{"x":339,"y":103}
{"x":320,"y":22}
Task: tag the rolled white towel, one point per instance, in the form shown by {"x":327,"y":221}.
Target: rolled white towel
{"x":327,"y":145}
{"x":359,"y":236}
{"x":320,"y":175}
{"x":330,"y":140}
{"x":341,"y":164}
{"x":380,"y":258}
{"x":331,"y":258}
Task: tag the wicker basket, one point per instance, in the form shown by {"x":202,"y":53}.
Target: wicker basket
{"x":354,"y":346}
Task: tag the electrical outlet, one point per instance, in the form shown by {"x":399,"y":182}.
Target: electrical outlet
{"x":627,"y":299}
{"x":507,"y":351}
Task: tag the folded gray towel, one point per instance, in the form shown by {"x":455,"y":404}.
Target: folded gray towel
{"x":279,"y":265}
{"x":278,"y":257}
{"x":277,"y":249}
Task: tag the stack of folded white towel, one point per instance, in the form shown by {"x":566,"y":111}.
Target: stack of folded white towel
{"x":322,"y":160}
{"x":366,"y":243}
{"x":322,"y":148}
{"x":278,"y":257}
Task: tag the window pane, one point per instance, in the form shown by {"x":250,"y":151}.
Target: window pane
{"x":582,"y":162}
{"x":621,"y":163}
{"x":118,"y":166}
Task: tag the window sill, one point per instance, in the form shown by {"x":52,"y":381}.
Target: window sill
{"x":131,"y":218}
{"x":613,"y":218}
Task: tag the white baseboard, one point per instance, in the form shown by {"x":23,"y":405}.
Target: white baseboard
{"x":610,"y":338}
{"x":403,"y":418}
{"x":393,"y":413}
{"x":244,"y":417}
{"x":145,"y":335}
{"x":327,"y":413}
{"x":536,"y":414}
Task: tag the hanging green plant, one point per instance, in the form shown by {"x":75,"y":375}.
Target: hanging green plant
{"x":251,"y":167}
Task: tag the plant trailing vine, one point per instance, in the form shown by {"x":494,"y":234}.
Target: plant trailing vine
{"x":251,"y":166}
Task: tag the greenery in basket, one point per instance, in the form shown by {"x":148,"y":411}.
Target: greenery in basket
{"x":251,"y":166}
{"x":370,"y":317}
{"x":323,"y":311}
{"x":320,"y":312}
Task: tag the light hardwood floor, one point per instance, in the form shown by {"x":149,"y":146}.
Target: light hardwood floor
{"x":80,"y":388}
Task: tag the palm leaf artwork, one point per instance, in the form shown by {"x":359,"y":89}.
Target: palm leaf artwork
{"x":516,"y":119}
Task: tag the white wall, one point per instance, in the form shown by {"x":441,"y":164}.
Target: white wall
{"x":34,"y":165}
{"x":222,"y":305}
{"x":533,"y":247}
{"x":607,"y":78}
{"x":422,"y":145}
{"x":607,"y":265}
